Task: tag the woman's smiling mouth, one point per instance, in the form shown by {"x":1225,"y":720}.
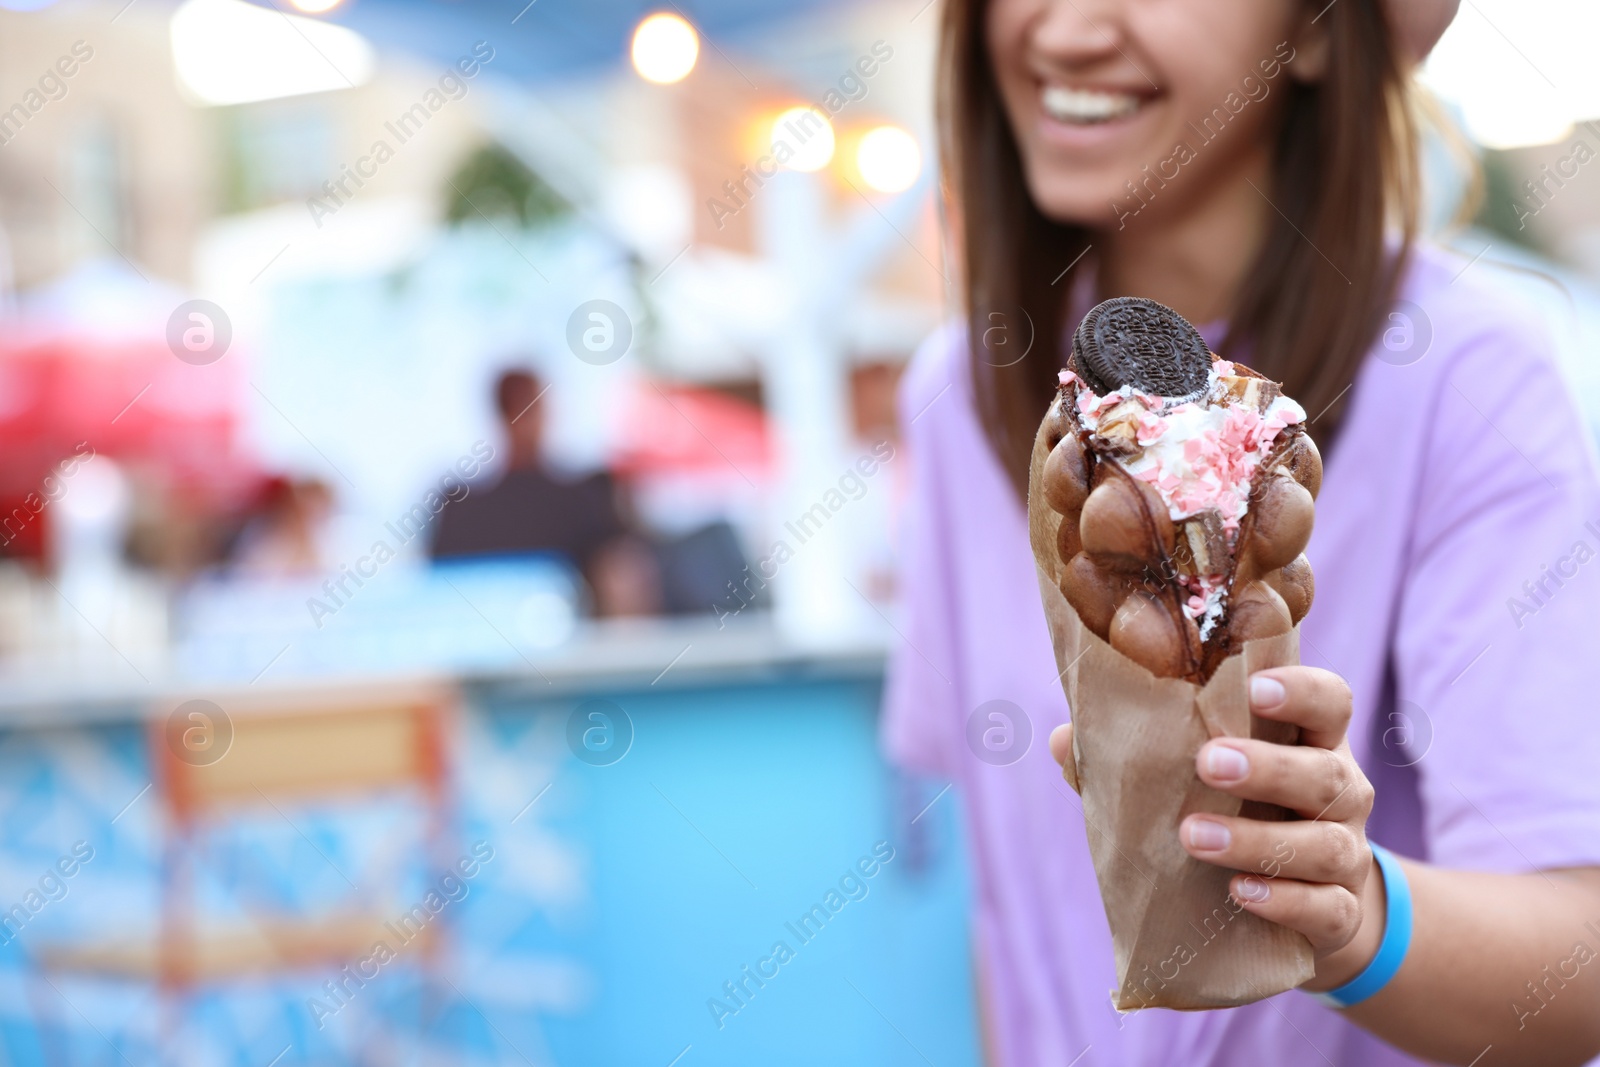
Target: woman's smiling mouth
{"x":1087,"y":107}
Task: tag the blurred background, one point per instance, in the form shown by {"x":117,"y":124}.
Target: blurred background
{"x":448,"y":479}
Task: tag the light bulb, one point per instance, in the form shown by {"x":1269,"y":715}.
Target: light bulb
{"x":889,"y":159}
{"x":665,"y":48}
{"x":802,"y":139}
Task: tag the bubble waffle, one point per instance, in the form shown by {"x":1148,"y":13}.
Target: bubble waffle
{"x":1175,"y":491}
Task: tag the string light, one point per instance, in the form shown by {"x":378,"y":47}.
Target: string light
{"x":802,"y":139}
{"x":889,"y":159}
{"x":665,"y":48}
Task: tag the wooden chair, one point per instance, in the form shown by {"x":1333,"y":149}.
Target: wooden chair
{"x":286,"y":751}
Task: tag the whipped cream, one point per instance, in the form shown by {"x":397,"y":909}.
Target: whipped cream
{"x":1207,"y":598}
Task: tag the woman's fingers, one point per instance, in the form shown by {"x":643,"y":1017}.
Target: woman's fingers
{"x":1315,"y":700}
{"x":1061,"y":751}
{"x":1307,"y":851}
{"x":1327,"y":914}
{"x":1061,"y":744}
{"x":1307,"y":875}
{"x":1316,"y":783}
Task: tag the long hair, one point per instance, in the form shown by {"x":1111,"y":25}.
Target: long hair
{"x":1315,"y":296}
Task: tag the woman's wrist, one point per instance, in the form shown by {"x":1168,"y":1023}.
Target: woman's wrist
{"x":1340,"y":966}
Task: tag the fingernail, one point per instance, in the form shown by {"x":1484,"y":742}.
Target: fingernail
{"x":1253,"y":889}
{"x":1227,"y":764}
{"x":1208,"y":836}
{"x":1266,"y":693}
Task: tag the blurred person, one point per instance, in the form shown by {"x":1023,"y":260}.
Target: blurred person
{"x":284,"y":534}
{"x":532,"y":509}
{"x":1252,"y":164}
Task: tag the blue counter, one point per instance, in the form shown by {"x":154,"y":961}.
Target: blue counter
{"x":748,"y":883}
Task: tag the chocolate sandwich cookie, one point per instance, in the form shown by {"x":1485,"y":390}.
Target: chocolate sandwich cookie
{"x":1129,"y":340}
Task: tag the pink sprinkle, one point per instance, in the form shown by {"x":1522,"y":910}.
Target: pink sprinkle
{"x":1240,"y":428}
{"x":1105,"y":403}
{"x":1210,"y":457}
{"x":1151,"y":427}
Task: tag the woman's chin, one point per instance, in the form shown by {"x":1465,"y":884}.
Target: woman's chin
{"x":1071,"y":201}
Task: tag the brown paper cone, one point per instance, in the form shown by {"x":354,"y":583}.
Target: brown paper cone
{"x":1180,"y":939}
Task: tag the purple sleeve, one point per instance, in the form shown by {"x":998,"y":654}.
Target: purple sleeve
{"x":919,"y":705}
{"x":1497,"y":645}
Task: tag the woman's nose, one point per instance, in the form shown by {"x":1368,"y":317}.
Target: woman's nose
{"x":1075,"y":33}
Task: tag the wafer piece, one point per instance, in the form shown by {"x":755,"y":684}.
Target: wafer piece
{"x":1202,"y":544}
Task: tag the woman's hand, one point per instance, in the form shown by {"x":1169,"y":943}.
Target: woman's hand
{"x":1316,"y":876}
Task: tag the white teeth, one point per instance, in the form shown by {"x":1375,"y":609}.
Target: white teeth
{"x":1087,"y":105}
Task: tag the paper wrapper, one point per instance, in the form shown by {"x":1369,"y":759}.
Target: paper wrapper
{"x":1180,"y":939}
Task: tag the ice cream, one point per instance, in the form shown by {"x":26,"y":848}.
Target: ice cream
{"x":1201,"y":455}
{"x":1184,"y":485}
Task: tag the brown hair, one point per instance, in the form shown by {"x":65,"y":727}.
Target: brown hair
{"x":1345,"y":173}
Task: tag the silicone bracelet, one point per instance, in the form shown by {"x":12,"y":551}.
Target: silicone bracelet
{"x":1396,"y":938}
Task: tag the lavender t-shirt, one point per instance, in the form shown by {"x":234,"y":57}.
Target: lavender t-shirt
{"x":1457,"y":559}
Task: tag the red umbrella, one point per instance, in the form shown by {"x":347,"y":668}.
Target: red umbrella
{"x":129,"y":400}
{"x":676,"y":429}
{"x":87,"y":368}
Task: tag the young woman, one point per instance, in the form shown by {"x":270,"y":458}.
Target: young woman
{"x":1250,"y":164}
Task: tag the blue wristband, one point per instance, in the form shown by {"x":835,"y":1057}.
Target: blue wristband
{"x":1396,"y":938}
